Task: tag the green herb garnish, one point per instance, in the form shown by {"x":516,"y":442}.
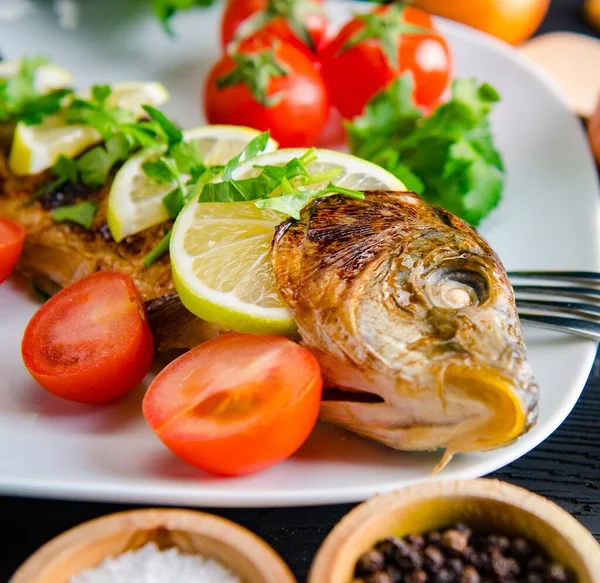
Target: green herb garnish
{"x":286,"y":189}
{"x":166,"y":9}
{"x":19,"y":99}
{"x":157,"y":251}
{"x":82,"y":213}
{"x":449,"y":158}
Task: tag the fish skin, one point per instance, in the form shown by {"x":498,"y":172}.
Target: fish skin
{"x":373,"y":285}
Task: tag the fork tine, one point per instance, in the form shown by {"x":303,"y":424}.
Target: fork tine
{"x":584,"y":277}
{"x":574,"y":326}
{"x":548,"y":306}
{"x":584,"y":293}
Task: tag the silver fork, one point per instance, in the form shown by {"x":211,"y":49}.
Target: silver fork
{"x":573,"y":308}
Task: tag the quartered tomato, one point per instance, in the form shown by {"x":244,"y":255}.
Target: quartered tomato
{"x":91,"y":342}
{"x":297,"y":22}
{"x":236,"y":404}
{"x":268,"y":85}
{"x":12,"y":236}
{"x":373,"y":49}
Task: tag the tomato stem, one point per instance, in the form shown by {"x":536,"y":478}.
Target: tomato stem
{"x":255,"y":70}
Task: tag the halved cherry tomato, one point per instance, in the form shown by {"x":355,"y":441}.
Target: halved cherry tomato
{"x":12,"y":236}
{"x":511,"y":20}
{"x":236,"y":404}
{"x":91,"y":342}
{"x":304,"y":22}
{"x":268,"y":85}
{"x":355,"y":70}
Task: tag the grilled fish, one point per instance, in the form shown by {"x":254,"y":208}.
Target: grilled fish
{"x":56,"y":254}
{"x":413,"y":320}
{"x":409,"y":311}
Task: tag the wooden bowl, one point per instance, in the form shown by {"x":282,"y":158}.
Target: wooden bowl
{"x":88,"y":544}
{"x":489,"y":505}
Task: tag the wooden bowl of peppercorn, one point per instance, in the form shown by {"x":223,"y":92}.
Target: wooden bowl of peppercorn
{"x":471,"y":531}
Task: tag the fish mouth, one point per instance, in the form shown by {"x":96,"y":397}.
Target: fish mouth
{"x":468,"y":407}
{"x":501,"y":415}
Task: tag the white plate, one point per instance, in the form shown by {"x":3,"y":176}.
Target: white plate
{"x":549,"y":218}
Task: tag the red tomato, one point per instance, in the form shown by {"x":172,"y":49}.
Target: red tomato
{"x":236,"y":404}
{"x":355,"y":74}
{"x":12,"y":236}
{"x":237,"y":11}
{"x":91,"y":342}
{"x":299,"y":114}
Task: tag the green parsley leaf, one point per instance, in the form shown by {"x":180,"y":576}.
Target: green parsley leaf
{"x":65,"y":170}
{"x":187,"y":156}
{"x":449,"y":157}
{"x":171,"y":131}
{"x":82,"y":213}
{"x":292,"y":204}
{"x":160,"y":171}
{"x":100,"y":93}
{"x":166,"y":9}
{"x":95,"y":165}
{"x":248,"y":189}
{"x":174,"y":202}
{"x":253,"y":148}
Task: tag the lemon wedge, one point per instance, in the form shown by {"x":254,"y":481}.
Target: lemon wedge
{"x":47,"y":77}
{"x":220,"y":252}
{"x":36,"y":148}
{"x":135,"y":200}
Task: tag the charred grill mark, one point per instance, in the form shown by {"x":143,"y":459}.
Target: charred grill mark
{"x":66,"y":194}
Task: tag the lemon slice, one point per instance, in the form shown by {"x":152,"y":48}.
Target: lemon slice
{"x":47,"y":77}
{"x":135,"y":201}
{"x":220,"y":252}
{"x":36,"y":148}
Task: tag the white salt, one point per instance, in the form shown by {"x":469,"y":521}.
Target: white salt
{"x":151,"y":565}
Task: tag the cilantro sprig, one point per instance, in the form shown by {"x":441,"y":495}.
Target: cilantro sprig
{"x":449,"y":157}
{"x":21,"y":101}
{"x":286,"y":189}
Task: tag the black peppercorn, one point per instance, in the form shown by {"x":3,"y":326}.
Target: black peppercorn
{"x":520,"y":549}
{"x":444,"y":576}
{"x":394,"y":574}
{"x":455,"y":565}
{"x":417,"y":577}
{"x":380,"y":577}
{"x":536,"y":564}
{"x":457,"y":555}
{"x":388,"y":546}
{"x":433,"y":558}
{"x":469,"y":575}
{"x":371,"y":562}
{"x":434,"y":538}
{"x":556,"y":572}
{"x":454,"y":541}
{"x":415,"y":540}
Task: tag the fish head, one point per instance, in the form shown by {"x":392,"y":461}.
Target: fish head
{"x":414,"y":322}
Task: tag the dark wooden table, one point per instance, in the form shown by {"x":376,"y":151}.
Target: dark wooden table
{"x":565,"y":468}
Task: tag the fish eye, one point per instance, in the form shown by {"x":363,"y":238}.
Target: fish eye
{"x":457,"y":288}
